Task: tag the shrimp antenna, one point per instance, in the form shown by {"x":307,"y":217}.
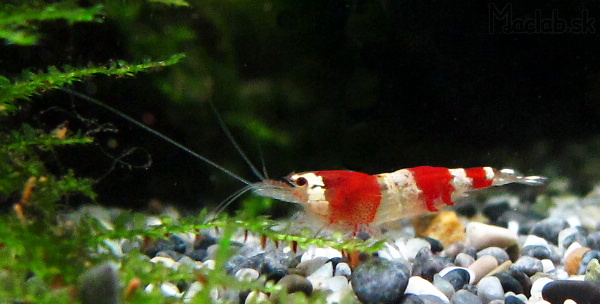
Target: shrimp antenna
{"x":154,"y":132}
{"x":235,"y":144}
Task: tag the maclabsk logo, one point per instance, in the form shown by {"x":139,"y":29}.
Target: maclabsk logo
{"x":502,"y":21}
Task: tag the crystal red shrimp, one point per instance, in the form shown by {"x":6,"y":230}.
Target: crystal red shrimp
{"x":355,"y":201}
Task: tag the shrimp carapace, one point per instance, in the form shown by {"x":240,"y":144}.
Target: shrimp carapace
{"x":354,"y":200}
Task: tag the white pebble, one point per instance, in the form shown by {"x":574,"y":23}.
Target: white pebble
{"x":255,"y":297}
{"x":319,"y":278}
{"x":314,"y":251}
{"x":547,"y":265}
{"x":209,"y":264}
{"x":342,"y":269}
{"x":419,"y":286}
{"x":534,"y":240}
{"x":247,"y":274}
{"x":481,"y":236}
{"x":414,"y":245}
{"x":537,"y":286}
{"x":170,"y":290}
{"x":390,"y":252}
{"x":340,"y":295}
{"x":192,"y":291}
{"x":168,"y":262}
{"x":337,"y":283}
{"x":153,"y":221}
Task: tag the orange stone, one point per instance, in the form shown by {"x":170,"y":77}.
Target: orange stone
{"x":574,"y":259}
{"x":443,"y":226}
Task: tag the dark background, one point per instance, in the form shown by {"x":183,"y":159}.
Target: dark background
{"x":371,"y":86}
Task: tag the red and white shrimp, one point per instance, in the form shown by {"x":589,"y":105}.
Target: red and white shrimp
{"x":356,"y":201}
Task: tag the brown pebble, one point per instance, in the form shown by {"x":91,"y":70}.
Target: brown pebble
{"x":574,"y":259}
{"x":444,"y":226}
{"x":482,"y":266}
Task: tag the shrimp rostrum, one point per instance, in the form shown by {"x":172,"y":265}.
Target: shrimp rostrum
{"x":356,"y":201}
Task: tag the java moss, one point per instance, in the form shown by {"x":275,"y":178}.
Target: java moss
{"x":48,"y":257}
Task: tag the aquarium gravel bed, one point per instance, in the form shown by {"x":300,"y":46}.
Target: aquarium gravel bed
{"x":504,"y":253}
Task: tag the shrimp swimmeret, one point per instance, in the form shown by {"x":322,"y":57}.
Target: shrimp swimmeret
{"x":355,"y":201}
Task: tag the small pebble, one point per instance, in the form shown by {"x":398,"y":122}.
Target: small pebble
{"x":342,"y":269}
{"x":536,"y":251}
{"x":320,"y":277}
{"x":483,"y":266}
{"x":444,"y":226}
{"x":509,"y":283}
{"x":593,"y":240}
{"x":444,"y":286}
{"x":463,"y":260}
{"x":380,"y":281}
{"x":547,"y":265}
{"x":528,"y":265}
{"x":573,"y":260}
{"x":585,"y":260}
{"x":499,"y":253}
{"x":168,"y":262}
{"x":482,"y":236}
{"x":593,"y":271}
{"x":534,"y":240}
{"x":421,"y":287}
{"x":256,"y":297}
{"x":247,"y":274}
{"x":537,"y":287}
{"x":490,"y":289}
{"x":337,"y":283}
{"x":457,"y":276}
{"x":426,"y":264}
{"x":549,"y":229}
{"x":314,"y":251}
{"x":100,"y":280}
{"x":434,"y":244}
{"x":296,"y":283}
{"x":414,"y":246}
{"x":512,"y":299}
{"x":464,"y":297}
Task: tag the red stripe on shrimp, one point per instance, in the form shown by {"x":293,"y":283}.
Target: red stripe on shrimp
{"x":353,"y":197}
{"x":435,"y":182}
{"x":482,"y":176}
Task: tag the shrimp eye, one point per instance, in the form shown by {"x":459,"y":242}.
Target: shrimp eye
{"x":301,"y":181}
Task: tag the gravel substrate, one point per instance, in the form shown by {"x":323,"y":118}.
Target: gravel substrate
{"x":514,"y":257}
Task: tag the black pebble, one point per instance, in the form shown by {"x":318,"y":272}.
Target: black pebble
{"x":586,"y":259}
{"x":466,"y":209}
{"x":426,"y":265}
{"x":380,"y":281}
{"x":593,"y":240}
{"x":494,"y":209}
{"x":549,"y":229}
{"x":436,"y":245}
{"x":274,"y":264}
{"x":410,"y":298}
{"x":529,"y":265}
{"x":582,"y":292}
{"x":198,"y":254}
{"x":523,"y":279}
{"x":458,"y":277}
{"x":204,"y":241}
{"x":537,"y":251}
{"x":513,"y":300}
{"x":509,"y":283}
{"x":465,"y":297}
